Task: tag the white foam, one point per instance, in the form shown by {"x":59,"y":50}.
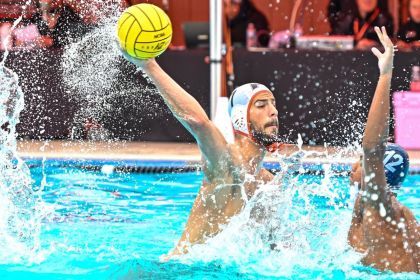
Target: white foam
{"x":21,"y":208}
{"x":285,"y":215}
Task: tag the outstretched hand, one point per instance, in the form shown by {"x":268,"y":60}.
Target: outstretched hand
{"x":385,"y":59}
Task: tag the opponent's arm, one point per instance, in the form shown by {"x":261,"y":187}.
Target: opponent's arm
{"x":375,"y":136}
{"x":187,"y":110}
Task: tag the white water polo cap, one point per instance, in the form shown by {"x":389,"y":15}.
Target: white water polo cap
{"x":239,"y":105}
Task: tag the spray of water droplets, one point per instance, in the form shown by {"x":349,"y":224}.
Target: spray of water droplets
{"x":21,"y":207}
{"x":100,"y":81}
{"x":283,"y":230}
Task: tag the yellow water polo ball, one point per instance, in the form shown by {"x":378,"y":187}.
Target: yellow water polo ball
{"x":144,"y":31}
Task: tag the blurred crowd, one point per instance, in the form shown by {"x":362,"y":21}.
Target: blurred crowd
{"x":359,"y":17}
{"x":51,"y":23}
{"x":346,"y":17}
{"x":54,"y":23}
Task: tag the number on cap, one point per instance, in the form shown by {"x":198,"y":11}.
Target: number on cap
{"x":398,"y":159}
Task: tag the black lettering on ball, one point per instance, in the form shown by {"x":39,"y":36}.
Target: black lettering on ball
{"x":159,"y":35}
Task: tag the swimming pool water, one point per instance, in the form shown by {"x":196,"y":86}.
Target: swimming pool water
{"x":117,"y":225}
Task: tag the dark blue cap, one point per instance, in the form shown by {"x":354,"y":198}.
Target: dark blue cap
{"x":396,"y":164}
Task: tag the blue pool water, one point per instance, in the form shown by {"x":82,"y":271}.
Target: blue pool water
{"x":103,"y":225}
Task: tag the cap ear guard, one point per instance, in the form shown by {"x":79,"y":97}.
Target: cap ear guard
{"x":396,"y":164}
{"x":238,"y":117}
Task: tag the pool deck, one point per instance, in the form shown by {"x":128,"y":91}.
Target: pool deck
{"x":161,"y":151}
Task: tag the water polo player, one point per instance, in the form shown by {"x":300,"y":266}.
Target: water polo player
{"x":254,"y":118}
{"x":384,"y":230}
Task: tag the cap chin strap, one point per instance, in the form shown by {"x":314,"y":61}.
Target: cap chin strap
{"x":274,"y":147}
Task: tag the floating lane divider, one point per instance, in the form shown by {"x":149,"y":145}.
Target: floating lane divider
{"x":174,"y":166}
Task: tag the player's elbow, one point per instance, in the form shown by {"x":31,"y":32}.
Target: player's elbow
{"x":198,"y":123}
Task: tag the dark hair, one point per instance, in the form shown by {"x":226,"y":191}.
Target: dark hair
{"x":382,"y":5}
{"x":246,"y":7}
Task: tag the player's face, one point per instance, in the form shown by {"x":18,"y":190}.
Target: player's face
{"x":356,"y":173}
{"x":367,"y":6}
{"x":415,"y":10}
{"x":263,"y":114}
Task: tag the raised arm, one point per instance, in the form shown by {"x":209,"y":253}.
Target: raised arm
{"x":187,"y":110}
{"x":376,"y":131}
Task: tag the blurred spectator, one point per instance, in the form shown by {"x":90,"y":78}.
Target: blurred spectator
{"x":27,"y":36}
{"x":57,"y":20}
{"x":95,"y":11}
{"x":10,"y":10}
{"x":361,"y":21}
{"x":240,"y":13}
{"x":409,"y":33}
{"x":45,"y":23}
{"x":6,"y":40}
{"x":339,"y":8}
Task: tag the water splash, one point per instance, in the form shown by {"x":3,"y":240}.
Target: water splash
{"x":293,"y":225}
{"x":100,"y":80}
{"x":15,"y":24}
{"x":20,"y":206}
{"x":6,"y":42}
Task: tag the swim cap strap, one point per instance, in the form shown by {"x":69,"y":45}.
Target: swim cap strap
{"x":274,"y":147}
{"x":242,"y":133}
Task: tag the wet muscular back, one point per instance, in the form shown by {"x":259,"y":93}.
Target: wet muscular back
{"x":390,"y":242}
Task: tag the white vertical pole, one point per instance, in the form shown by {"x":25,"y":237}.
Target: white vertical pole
{"x":215,"y":54}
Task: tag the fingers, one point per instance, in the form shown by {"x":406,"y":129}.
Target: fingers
{"x":376,"y":52}
{"x":379,"y":33}
{"x":386,"y":37}
{"x":384,"y":33}
{"x":383,"y":36}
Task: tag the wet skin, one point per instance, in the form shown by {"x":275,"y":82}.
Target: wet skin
{"x":222,"y":193}
{"x":384,"y":230}
{"x":386,"y":245}
{"x":228,"y":168}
